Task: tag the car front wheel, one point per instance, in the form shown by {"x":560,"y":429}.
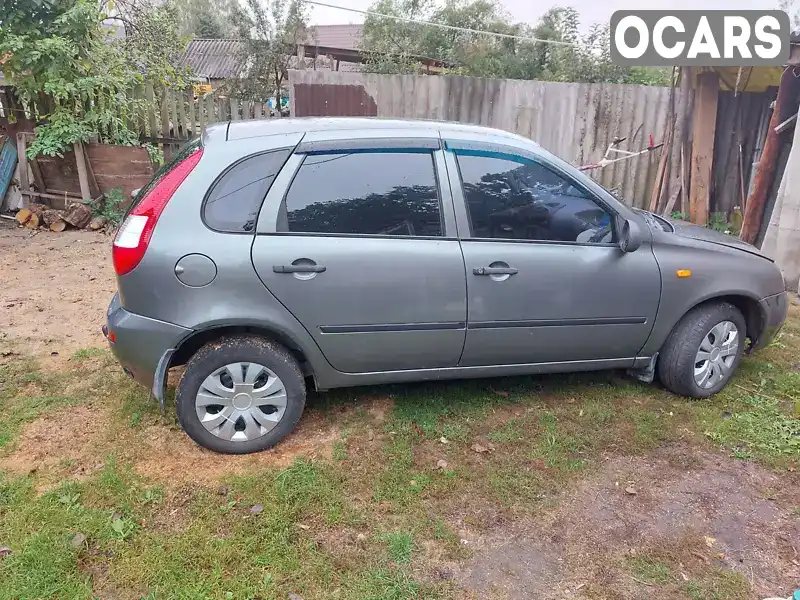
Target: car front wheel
{"x":703,"y":351}
{"x":240,"y":394}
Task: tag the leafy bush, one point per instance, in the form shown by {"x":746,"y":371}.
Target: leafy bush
{"x":111,"y":207}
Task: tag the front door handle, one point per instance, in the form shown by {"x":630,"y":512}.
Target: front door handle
{"x":298,"y":269}
{"x":495,"y":271}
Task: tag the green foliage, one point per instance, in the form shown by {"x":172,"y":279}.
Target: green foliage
{"x":402,"y":47}
{"x":155,"y":153}
{"x":111,"y":207}
{"x":76,"y":75}
{"x":206,"y":19}
{"x":269,"y":31}
{"x":718,"y":222}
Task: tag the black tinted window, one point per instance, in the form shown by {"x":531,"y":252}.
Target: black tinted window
{"x":526,"y":201}
{"x":379,"y":193}
{"x":234,"y":201}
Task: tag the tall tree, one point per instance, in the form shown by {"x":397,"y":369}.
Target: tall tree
{"x":76,"y":74}
{"x":270,"y":31}
{"x":398,"y":46}
{"x":792,"y":8}
{"x":209,"y":19}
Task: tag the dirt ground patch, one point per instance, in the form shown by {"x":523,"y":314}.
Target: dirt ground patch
{"x":71,"y":443}
{"x":56,"y":287}
{"x":168,"y":455}
{"x":745,"y":511}
{"x":67,"y":440}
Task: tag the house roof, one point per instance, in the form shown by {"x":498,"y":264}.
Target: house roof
{"x":215,"y":59}
{"x":341,"y":37}
{"x":219,"y":58}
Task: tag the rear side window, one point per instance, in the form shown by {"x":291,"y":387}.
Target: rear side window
{"x":370,"y":193}
{"x":233,"y":203}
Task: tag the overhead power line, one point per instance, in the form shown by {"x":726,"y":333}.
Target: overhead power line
{"x":440,"y":25}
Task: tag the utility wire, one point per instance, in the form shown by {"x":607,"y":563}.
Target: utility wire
{"x":440,"y":25}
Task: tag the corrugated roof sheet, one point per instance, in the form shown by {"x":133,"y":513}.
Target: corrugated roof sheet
{"x":215,"y":59}
{"x":219,"y":59}
{"x":343,"y":37}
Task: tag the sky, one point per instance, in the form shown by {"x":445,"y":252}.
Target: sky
{"x":529,"y":11}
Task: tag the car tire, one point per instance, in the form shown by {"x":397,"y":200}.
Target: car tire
{"x":701,"y":328}
{"x":211,"y":363}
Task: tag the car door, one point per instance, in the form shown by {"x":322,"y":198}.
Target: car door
{"x":360,"y":246}
{"x":546,"y":280}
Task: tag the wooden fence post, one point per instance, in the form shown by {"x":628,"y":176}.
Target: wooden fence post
{"x":83,"y":176}
{"x":180,"y":98}
{"x":22,"y":162}
{"x":151,"y":99}
{"x":768,"y":163}
{"x":190,"y":110}
{"x":705,"y":125}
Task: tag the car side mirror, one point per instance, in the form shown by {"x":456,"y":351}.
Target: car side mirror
{"x":631,"y":237}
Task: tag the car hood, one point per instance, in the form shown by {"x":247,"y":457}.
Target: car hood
{"x":705,"y":234}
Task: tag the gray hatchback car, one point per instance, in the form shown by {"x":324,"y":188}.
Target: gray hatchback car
{"x":344,"y":252}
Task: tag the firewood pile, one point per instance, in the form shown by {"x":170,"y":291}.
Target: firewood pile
{"x":77,"y":215}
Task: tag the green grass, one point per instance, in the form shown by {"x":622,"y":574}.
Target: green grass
{"x":757,"y":417}
{"x":84,"y":354}
{"x":376,"y":519}
{"x":399,"y":546}
{"x":19,"y":413}
{"x":510,"y":432}
{"x":722,"y":585}
{"x":649,"y":570}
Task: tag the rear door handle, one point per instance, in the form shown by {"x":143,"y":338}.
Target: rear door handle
{"x":298,"y":269}
{"x":495,"y":271}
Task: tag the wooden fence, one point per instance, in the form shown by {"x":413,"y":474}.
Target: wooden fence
{"x":573,"y":120}
{"x":162,"y":116}
{"x":576,"y":121}
{"x":181,"y":116}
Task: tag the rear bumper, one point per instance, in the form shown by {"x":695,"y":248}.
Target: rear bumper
{"x":774,"y":310}
{"x":139,"y":343}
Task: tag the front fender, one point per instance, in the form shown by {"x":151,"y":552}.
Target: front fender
{"x":716,"y":272}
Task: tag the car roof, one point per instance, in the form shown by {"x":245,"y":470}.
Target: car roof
{"x":237,"y":130}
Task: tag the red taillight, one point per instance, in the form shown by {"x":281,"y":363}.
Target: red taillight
{"x":135,"y":232}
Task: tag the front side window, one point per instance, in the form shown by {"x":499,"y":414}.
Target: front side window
{"x":372,"y":193}
{"x":523,"y":200}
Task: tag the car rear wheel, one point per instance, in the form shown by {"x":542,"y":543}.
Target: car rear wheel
{"x":703,"y":351}
{"x":240,"y":394}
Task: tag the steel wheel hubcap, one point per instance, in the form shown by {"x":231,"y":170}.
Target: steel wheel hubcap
{"x":714,"y":360}
{"x":241,"y":401}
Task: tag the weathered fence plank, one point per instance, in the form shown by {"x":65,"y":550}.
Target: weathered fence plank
{"x":190,"y":110}
{"x":575,"y":121}
{"x":152,"y":122}
{"x":183,"y":123}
